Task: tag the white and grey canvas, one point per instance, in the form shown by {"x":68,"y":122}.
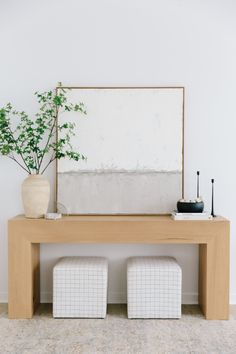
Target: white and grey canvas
{"x":132,"y":139}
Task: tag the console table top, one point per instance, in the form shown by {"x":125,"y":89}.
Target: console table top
{"x":121,"y":218}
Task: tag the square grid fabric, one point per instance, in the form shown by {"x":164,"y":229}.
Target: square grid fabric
{"x":154,"y":287}
{"x":80,"y":287}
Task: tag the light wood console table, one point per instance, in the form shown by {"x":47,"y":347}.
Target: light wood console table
{"x":25,"y":236}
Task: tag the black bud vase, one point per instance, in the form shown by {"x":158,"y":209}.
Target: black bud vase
{"x":190,"y":206}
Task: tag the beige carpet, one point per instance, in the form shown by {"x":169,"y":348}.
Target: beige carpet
{"x":116,"y":334}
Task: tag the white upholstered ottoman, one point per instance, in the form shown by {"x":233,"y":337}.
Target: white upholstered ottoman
{"x":154,"y":287}
{"x":80,"y":287}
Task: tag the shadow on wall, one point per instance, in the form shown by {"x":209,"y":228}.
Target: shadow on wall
{"x":117,"y":254}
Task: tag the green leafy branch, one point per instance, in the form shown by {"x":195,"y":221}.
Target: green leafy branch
{"x":28,"y":141}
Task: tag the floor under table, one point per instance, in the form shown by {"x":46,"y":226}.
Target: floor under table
{"x":116,"y":334}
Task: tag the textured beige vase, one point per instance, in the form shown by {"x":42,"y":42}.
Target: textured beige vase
{"x":35,"y":196}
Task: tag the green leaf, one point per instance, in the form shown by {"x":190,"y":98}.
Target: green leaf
{"x":32,"y":139}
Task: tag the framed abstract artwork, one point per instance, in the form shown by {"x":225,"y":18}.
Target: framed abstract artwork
{"x":132,"y":138}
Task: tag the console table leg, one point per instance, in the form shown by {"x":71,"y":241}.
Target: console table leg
{"x":202,"y":278}
{"x":23,"y":276}
{"x":214,"y":277}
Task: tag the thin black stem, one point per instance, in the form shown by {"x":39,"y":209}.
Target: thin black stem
{"x":212,"y":198}
{"x":37,"y":162}
{"x":50,"y":161}
{"x":49,"y":137}
{"x":198,"y":173}
{"x":13,"y":158}
{"x":19,"y":151}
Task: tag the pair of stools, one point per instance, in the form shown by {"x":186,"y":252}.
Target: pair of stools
{"x":153,"y":287}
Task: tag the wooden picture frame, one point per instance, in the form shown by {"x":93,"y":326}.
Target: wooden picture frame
{"x":101,"y":203}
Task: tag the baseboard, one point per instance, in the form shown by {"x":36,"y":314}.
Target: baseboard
{"x":117,"y":297}
{"x":45,"y":297}
{"x":233,"y":299}
{"x":3,"y":297}
{"x":190,"y":298}
{"x":120,"y":298}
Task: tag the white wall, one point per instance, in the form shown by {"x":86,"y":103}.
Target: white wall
{"x":128,"y":42}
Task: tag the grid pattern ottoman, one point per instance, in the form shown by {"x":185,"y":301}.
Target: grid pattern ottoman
{"x":154,"y":287}
{"x":80,"y":287}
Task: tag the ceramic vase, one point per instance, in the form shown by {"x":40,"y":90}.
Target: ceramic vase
{"x":35,"y":196}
